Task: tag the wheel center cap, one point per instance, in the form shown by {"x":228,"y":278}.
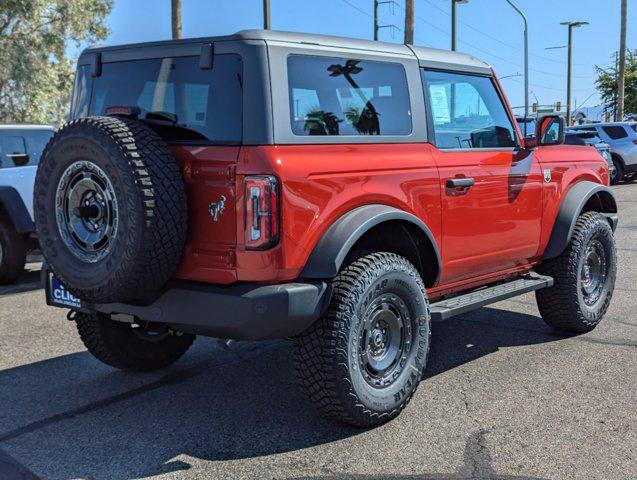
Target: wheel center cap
{"x":377,"y":338}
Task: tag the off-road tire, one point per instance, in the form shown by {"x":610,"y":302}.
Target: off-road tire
{"x":619,"y":170}
{"x":151,"y":201}
{"x":13,"y":252}
{"x":114,"y":343}
{"x":562,"y":306}
{"x":326,"y":354}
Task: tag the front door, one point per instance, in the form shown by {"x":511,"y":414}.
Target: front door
{"x":491,"y":189}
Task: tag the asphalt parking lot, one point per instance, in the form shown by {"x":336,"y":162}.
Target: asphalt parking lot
{"x":505,"y":397}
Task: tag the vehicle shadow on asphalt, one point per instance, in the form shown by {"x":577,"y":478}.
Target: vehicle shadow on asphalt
{"x":71,"y":417}
{"x":27,"y":282}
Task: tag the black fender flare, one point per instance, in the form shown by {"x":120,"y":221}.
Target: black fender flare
{"x":572,"y":207}
{"x":12,"y":204}
{"x":331,"y":250}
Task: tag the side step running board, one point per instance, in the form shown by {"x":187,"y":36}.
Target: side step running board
{"x":466,"y":302}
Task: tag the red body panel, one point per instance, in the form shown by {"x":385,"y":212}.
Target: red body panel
{"x":497,"y":228}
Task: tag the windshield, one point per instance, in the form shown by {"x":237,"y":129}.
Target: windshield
{"x":175,"y":96}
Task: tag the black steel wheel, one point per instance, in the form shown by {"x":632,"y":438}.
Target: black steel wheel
{"x":584,"y":277}
{"x":110,"y":209}
{"x":361,"y":362}
{"x":87,"y":211}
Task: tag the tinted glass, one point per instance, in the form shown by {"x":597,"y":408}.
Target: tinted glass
{"x":467,"y":112}
{"x":202,"y":105}
{"x":19,"y":148}
{"x":36,"y":141}
{"x":340,"y":96}
{"x":81,"y":92}
{"x":13,"y":150}
{"x":615,"y":132}
{"x":634,"y":127}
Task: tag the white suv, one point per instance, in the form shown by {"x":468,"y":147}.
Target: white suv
{"x":622,"y":139}
{"x":20,"y":149}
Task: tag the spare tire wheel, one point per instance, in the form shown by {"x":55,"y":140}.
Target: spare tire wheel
{"x":110,"y":209}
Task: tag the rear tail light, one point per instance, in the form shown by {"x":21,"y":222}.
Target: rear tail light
{"x":262,"y":211}
{"x":635,"y":142}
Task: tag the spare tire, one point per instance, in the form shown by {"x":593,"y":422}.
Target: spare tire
{"x":110,"y":209}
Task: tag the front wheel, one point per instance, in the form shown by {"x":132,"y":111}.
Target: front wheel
{"x":584,"y":277}
{"x":363,"y":360}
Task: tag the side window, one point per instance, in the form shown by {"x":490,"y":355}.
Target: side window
{"x":340,"y":96}
{"x":615,"y":132}
{"x":634,"y":127}
{"x":81,"y":92}
{"x":13,"y":151}
{"x":36,"y":141}
{"x":467,"y":112}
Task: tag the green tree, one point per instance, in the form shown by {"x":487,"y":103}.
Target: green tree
{"x":606,"y":84}
{"x":36,"y":74}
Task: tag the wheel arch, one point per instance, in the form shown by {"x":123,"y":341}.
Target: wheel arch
{"x":584,"y":196}
{"x":368,"y":226}
{"x":12,"y":206}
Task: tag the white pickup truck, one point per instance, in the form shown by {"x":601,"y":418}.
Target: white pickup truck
{"x":20,"y":149}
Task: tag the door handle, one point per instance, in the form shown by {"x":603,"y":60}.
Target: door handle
{"x":459,"y":182}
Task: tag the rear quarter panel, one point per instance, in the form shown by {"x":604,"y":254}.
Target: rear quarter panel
{"x":322,"y":182}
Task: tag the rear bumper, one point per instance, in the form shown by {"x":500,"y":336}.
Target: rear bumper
{"x":240,"y":311}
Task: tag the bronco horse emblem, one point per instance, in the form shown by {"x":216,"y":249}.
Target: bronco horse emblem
{"x":217,"y":208}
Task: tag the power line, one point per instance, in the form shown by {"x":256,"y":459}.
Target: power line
{"x":369,"y":15}
{"x":437,"y":7}
{"x":552,"y":88}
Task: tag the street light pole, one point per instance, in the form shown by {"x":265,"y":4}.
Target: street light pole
{"x":570,"y":26}
{"x":453,"y":22}
{"x":526,"y":63}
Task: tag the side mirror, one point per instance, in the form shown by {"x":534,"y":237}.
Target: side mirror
{"x":530,"y":141}
{"x":551,"y":130}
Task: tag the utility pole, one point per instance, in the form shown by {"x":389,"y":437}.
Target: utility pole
{"x":453,"y":22}
{"x":375,"y":19}
{"x":526,"y":64}
{"x":176,"y":18}
{"x":409,"y":22}
{"x":266,"y":14}
{"x":570,"y":26}
{"x":622,"y":64}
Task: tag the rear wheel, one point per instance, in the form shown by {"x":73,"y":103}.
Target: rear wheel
{"x":619,"y":171}
{"x":12,"y":252}
{"x":363,"y":360}
{"x":142,"y":347}
{"x":584,"y":277}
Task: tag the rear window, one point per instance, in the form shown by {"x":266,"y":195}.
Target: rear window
{"x":341,"y":96}
{"x":178,"y":98}
{"x":634,"y":127}
{"x":615,"y":132}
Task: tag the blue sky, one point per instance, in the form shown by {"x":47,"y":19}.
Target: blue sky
{"x":487,"y":29}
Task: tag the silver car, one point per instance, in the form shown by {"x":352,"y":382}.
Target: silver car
{"x":579,"y":137}
{"x":622,"y":138}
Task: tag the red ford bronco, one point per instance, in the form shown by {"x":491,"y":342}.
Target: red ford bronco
{"x":342,"y":193}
